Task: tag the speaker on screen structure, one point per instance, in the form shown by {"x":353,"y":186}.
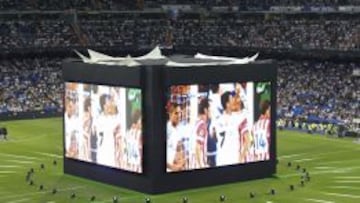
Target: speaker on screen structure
{"x":183,"y":129}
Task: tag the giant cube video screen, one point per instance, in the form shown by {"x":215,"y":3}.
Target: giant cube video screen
{"x":215,"y":125}
{"x":103,"y":125}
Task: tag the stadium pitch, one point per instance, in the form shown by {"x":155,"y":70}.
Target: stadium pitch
{"x":333,"y":165}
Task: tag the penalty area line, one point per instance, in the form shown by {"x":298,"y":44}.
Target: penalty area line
{"x":319,"y":200}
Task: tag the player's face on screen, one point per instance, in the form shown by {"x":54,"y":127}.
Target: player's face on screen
{"x":87,"y":113}
{"x":180,"y":155}
{"x":70,"y":107}
{"x":230,"y":103}
{"x":236,"y":106}
{"x":139,"y":124}
{"x":237,"y":88}
{"x":208,"y":113}
{"x":175,"y":116}
{"x":109,"y":106}
{"x":268,"y":110}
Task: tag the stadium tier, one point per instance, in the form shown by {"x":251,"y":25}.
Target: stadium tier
{"x":141,"y":4}
{"x":160,"y":129}
{"x":250,"y":31}
{"x":35,"y":84}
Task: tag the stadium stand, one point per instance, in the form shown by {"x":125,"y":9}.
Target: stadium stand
{"x":34,"y":33}
{"x":332,"y":33}
{"x":30,"y":85}
{"x":305,"y":93}
{"x":140,"y":4}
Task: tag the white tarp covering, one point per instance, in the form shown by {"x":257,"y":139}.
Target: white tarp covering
{"x":100,"y":58}
{"x":155,"y":54}
{"x":221,"y":60}
{"x":96,"y":56}
{"x":245,"y":59}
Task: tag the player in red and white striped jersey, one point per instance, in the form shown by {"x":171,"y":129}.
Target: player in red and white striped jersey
{"x":201,"y":131}
{"x":241,"y":116}
{"x":245,"y":137}
{"x":261,"y":132}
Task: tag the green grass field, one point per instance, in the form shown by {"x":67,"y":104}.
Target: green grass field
{"x":333,"y":164}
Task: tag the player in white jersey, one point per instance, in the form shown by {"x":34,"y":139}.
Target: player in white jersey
{"x":228,"y":138}
{"x":175,"y":155}
{"x":242,"y":116}
{"x":107,"y":122}
{"x":261,"y":132}
{"x":119,"y":148}
{"x":71,"y":128}
{"x":134,"y":142}
{"x":87,"y":126}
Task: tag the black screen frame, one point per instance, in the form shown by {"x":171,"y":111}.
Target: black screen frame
{"x":116,"y":76}
{"x":165,"y":181}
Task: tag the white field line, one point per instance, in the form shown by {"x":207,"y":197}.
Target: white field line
{"x":20,"y":200}
{"x":337,"y":162}
{"x":319,"y":200}
{"x":344,"y":187}
{"x":342,"y":195}
{"x":20,"y":162}
{"x":291,"y":155}
{"x":303,"y":160}
{"x":348,"y":177}
{"x":30,"y":138}
{"x":19,"y":156}
{"x":49,"y":154}
{"x":7,"y":172}
{"x":10,"y":166}
{"x":339,"y":170}
{"x":342,"y":169}
{"x":316,"y":155}
{"x":324,"y":167}
{"x":347,"y":181}
{"x":37,"y":193}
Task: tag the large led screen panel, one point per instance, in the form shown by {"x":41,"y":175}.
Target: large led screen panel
{"x":216,"y":125}
{"x":103,"y":125}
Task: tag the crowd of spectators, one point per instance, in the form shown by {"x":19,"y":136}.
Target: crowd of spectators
{"x":35,"y":33}
{"x":263,"y":4}
{"x":298,"y":33}
{"x":125,"y":32}
{"x":137,"y":4}
{"x":318,"y":91}
{"x":335,"y":33}
{"x":7,"y":5}
{"x":312,"y":91}
{"x":58,"y":5}
{"x":30,"y":85}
